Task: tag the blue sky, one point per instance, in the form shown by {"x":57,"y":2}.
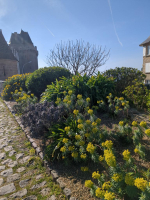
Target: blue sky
{"x":118,"y":25}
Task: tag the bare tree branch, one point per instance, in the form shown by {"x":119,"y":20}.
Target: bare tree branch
{"x":78,"y":57}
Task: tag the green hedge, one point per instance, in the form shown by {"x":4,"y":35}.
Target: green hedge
{"x":40,"y":78}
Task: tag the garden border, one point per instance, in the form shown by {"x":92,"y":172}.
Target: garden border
{"x":39,"y":153}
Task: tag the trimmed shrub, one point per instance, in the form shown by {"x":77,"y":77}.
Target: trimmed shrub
{"x":14,"y":83}
{"x":40,"y":78}
{"x":137,"y":93}
{"x":96,"y":88}
{"x":123,"y":77}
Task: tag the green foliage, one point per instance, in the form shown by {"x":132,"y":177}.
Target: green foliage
{"x":40,"y":78}
{"x":14,"y":83}
{"x":22,"y":99}
{"x":96,"y":87}
{"x":137,"y":93}
{"x":123,"y":77}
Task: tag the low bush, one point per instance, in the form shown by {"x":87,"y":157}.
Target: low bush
{"x":39,"y":117}
{"x":40,"y":78}
{"x":137,"y":93}
{"x":123,"y":77}
{"x":14,"y":83}
{"x":95,"y":87}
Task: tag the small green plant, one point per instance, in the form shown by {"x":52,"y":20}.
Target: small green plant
{"x":32,"y":151}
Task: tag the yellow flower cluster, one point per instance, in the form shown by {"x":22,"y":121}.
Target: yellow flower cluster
{"x":88,"y":121}
{"x":88,"y":99}
{"x":90,"y":148}
{"x":84,"y":169}
{"x":98,"y":120}
{"x":123,"y":104}
{"x":134,"y":123}
{"x":106,"y":185}
{"x":147,"y":132}
{"x":99,"y":193}
{"x":96,"y":175}
{"x":81,"y":143}
{"x":110,"y":158}
{"x":126,"y":155}
{"x":77,"y":137}
{"x":121,"y":98}
{"x":80,"y":121}
{"x":94,"y":124}
{"x":70,"y":92}
{"x":89,"y":183}
{"x":58,"y":100}
{"x":109,"y":195}
{"x":83,"y":156}
{"x":141,"y":184}
{"x":63,"y":149}
{"x":143,"y":124}
{"x":79,"y":96}
{"x":75,"y":112}
{"x":65,"y":140}
{"x":90,"y":111}
{"x":121,"y":123}
{"x":74,"y":154}
{"x":67,"y":128}
{"x":136,"y":150}
{"x":87,"y":135}
{"x":71,"y":148}
{"x":108,"y":144}
{"x":101,"y":158}
{"x":94,"y":130}
{"x":129,"y":180}
{"x":117,"y":177}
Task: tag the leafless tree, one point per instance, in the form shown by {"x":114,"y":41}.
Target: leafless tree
{"x":78,"y":57}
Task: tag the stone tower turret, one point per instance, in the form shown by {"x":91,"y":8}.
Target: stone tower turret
{"x":24,"y":50}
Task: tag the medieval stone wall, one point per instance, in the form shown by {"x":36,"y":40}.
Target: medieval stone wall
{"x":8,"y":68}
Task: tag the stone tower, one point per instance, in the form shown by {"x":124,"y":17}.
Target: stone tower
{"x":8,"y":63}
{"x":27,"y":52}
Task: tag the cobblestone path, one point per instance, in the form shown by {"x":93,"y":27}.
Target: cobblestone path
{"x":22,"y":175}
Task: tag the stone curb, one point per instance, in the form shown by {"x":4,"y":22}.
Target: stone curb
{"x":39,"y":152}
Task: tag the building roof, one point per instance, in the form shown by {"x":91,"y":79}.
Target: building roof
{"x":145,"y":42}
{"x":5,"y":51}
{"x":23,"y":37}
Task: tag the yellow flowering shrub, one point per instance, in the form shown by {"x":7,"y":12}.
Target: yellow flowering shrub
{"x":147,"y":132}
{"x":83,"y":156}
{"x":79,"y":96}
{"x":99,"y":193}
{"x":80,"y":126}
{"x":129,"y":180}
{"x":65,"y":140}
{"x":96,"y":175}
{"x":89,"y":183}
{"x":77,"y":137}
{"x":117,"y":177}
{"x":88,"y":121}
{"x":76,"y":112}
{"x":141,"y":184}
{"x":108,"y":144}
{"x":90,"y":111}
{"x":84,"y":169}
{"x":121,"y":123}
{"x":109,"y":195}
{"x":106,"y":185}
{"x":143,"y":124}
{"x":90,"y":148}
{"x":134,"y":123}
{"x":110,"y":158}
{"x":74,"y":154}
{"x":126,"y":155}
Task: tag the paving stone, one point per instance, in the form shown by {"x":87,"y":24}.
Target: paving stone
{"x":2,"y":167}
{"x":24,"y":160}
{"x":23,"y":183}
{"x":1,"y":181}
{"x":21,"y":169}
{"x":61,"y":183}
{"x":8,"y":148}
{"x":6,"y":161}
{"x":73,"y":198}
{"x":12,"y":164}
{"x":7,"y":172}
{"x":39,"y":176}
{"x":32,"y":197}
{"x":52,"y":198}
{"x":67,"y":192}
{"x":38,"y":185}
{"x":3,"y":198}
{"x":2,"y":156}
{"x":11,"y":153}
{"x":19,"y":156}
{"x":19,"y":194}
{"x":13,"y":177}
{"x":7,"y":189}
{"x":45,"y":191}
